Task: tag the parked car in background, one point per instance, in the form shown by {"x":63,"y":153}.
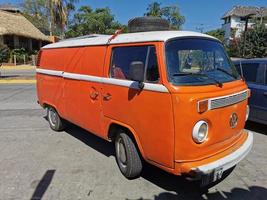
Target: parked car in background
{"x":255,"y":73}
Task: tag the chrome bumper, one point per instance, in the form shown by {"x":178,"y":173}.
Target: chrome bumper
{"x":228,"y":161}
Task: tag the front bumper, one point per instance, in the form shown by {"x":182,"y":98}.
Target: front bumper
{"x":228,"y":161}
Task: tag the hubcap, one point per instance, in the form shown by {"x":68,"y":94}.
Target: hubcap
{"x":121,"y":153}
{"x":52,"y":117}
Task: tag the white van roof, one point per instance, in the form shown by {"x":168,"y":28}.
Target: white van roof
{"x":95,"y":39}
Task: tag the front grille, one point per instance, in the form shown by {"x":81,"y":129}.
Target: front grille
{"x":228,"y":100}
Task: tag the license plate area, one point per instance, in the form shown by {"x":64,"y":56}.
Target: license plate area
{"x":214,"y":176}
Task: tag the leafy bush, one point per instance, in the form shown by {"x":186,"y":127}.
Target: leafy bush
{"x":20,"y":53}
{"x":254,"y":42}
{"x":251,"y":44}
{"x":4,"y":53}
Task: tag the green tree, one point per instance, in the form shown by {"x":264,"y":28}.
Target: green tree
{"x":88,"y":21}
{"x":50,"y":16}
{"x":59,"y":11}
{"x":171,"y":13}
{"x":253,"y":43}
{"x":154,"y":10}
{"x":218,"y":33}
{"x":36,"y":12}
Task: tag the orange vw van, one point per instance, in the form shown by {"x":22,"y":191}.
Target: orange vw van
{"x":171,"y":98}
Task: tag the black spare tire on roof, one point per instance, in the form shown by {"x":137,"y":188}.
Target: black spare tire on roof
{"x":143,"y":24}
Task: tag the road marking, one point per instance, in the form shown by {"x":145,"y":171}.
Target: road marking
{"x":18,"y":81}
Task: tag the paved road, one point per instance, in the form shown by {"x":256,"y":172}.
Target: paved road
{"x":36,"y":162}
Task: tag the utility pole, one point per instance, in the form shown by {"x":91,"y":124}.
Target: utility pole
{"x":200,"y":28}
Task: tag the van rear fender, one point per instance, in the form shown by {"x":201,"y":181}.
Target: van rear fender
{"x":49,"y":104}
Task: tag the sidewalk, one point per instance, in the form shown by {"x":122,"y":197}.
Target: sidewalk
{"x":18,"y":67}
{"x":22,"y":74}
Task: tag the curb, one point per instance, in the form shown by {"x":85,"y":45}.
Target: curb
{"x":18,"y":81}
{"x":17,"y":67}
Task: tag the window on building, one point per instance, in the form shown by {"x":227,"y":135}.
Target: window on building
{"x":122,"y":57}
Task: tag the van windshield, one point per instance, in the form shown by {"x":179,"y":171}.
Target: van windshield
{"x":195,"y":61}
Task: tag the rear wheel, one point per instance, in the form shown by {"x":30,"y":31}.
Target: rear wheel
{"x":127,"y":156}
{"x":55,"y":121}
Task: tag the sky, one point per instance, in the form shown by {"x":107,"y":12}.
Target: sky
{"x":204,"y":14}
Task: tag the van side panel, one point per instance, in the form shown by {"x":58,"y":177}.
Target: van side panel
{"x":71,"y":96}
{"x":49,"y":87}
{"x":90,"y":92}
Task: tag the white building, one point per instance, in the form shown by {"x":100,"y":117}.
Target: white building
{"x":235,"y":20}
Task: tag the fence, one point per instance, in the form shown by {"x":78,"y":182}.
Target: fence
{"x":21,"y":60}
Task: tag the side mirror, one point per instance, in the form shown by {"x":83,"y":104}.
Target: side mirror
{"x":137,"y":72}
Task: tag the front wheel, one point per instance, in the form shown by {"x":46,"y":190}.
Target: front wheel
{"x":127,"y":156}
{"x":55,"y":121}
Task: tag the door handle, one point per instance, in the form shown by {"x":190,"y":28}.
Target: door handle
{"x":94,"y":95}
{"x":265,"y":93}
{"x":107,"y":96}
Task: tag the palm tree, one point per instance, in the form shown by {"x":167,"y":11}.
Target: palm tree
{"x":59,"y":11}
{"x":154,"y":10}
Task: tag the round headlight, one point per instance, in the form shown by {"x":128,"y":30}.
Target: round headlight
{"x":200,"y":132}
{"x":247,"y":112}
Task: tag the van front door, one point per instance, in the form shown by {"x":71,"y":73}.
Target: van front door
{"x":147,"y":111}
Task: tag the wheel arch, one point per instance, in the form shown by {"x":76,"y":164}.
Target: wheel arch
{"x":112,"y":131}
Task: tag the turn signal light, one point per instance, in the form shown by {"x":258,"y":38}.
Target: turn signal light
{"x":203,"y":106}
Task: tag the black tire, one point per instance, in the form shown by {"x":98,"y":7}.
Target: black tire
{"x":127,"y":156}
{"x":143,"y":24}
{"x":55,"y":121}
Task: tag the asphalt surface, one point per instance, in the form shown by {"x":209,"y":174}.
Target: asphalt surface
{"x":37,"y":163}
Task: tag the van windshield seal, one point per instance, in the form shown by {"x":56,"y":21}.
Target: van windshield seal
{"x":198,"y":61}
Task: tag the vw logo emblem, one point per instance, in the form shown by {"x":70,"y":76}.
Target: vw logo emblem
{"x":233,"y":120}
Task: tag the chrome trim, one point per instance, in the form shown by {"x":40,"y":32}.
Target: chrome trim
{"x":104,"y":80}
{"x":228,"y":161}
{"x":229,"y":100}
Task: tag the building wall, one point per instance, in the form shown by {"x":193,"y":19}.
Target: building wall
{"x":235,"y":23}
{"x":227,"y":32}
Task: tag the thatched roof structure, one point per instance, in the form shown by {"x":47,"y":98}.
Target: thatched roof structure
{"x":17,"y":24}
{"x":246,"y":11}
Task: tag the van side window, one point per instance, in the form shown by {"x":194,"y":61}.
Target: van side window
{"x":122,"y":57}
{"x":250,"y":72}
{"x":152,"y":72}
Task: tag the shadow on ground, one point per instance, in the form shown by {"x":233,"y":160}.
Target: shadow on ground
{"x":176,"y":187}
{"x":43,"y":185}
{"x":256,"y":127}
{"x":8,"y":77}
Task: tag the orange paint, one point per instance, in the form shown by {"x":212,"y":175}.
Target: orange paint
{"x":161,"y":122}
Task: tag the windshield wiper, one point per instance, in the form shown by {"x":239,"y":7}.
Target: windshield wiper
{"x":218,"y":83}
{"x":226,"y":72}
